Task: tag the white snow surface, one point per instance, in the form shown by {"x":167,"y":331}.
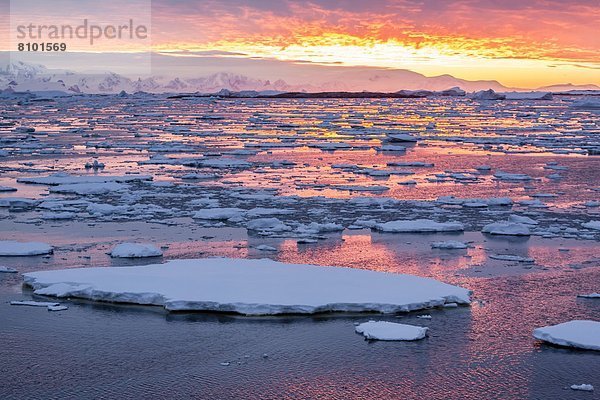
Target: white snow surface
{"x":420,"y":225}
{"x":135,"y":250}
{"x":586,"y":387}
{"x":249,"y":286}
{"x":449,"y":244}
{"x":13,"y":249}
{"x":383,"y":330}
{"x":582,"y":334}
{"x":506,"y":228}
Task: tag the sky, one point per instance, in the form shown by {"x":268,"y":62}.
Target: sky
{"x":518,"y":43}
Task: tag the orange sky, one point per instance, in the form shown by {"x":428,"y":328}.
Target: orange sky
{"x":519,"y":43}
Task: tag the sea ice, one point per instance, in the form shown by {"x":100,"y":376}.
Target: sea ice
{"x":249,"y":286}
{"x":34,"y":303}
{"x":582,"y":334}
{"x":219,"y":213}
{"x":419,"y":225}
{"x":383,"y":330}
{"x":506,"y":228}
{"x":13,"y":248}
{"x":135,"y":250}
{"x":584,"y":386}
{"x":450,"y":244}
{"x":590,"y":295}
{"x":592,"y":225}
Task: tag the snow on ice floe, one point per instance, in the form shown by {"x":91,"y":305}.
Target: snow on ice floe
{"x":67,"y":179}
{"x":419,"y":225}
{"x":592,"y":225}
{"x":506,"y":228}
{"x":583,"y":334}
{"x":590,"y":296}
{"x":13,"y":248}
{"x":7,"y":270}
{"x":34,"y":303}
{"x":449,"y":244}
{"x":135,"y":250}
{"x":586,"y":387}
{"x":249,"y":286}
{"x":383,"y":330}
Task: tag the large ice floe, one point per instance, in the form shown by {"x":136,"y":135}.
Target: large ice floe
{"x":583,"y":334}
{"x":250,"y":287}
{"x":10,"y":248}
{"x":420,"y":225}
{"x":383,"y":330}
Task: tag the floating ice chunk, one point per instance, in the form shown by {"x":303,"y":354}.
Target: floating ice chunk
{"x":315,"y":227}
{"x":12,"y":248}
{"x":392,"y":147}
{"x":58,"y":215}
{"x":18,"y":202}
{"x":57,"y":308}
{"x":264,"y":247}
{"x":483,"y":168}
{"x":521,"y":219}
{"x":587,"y":102}
{"x":506,"y":228}
{"x":420,"y":225}
{"x":249,"y":286}
{"x":582,"y":334}
{"x":135,"y":250}
{"x":7,"y":189}
{"x":426,"y":316}
{"x":66,"y":179}
{"x":584,"y":386}
{"x":592,"y":225}
{"x":34,"y":303}
{"x":383,"y":330}
{"x":590,"y":295}
{"x":511,"y":257}
{"x":268,"y":225}
{"x":528,"y":95}
{"x":195,"y":176}
{"x":450,"y":244}
{"x":505,"y":176}
{"x":260,"y":212}
{"x":219,"y":213}
{"x":88,"y":188}
{"x":7,"y":270}
{"x":402,"y":137}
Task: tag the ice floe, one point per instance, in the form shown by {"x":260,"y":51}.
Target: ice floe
{"x":248,"y":286}
{"x":383,"y":330}
{"x":7,"y":270}
{"x":506,"y":228}
{"x":13,"y":248}
{"x":449,"y":244}
{"x":419,"y":225}
{"x":586,"y":387}
{"x":582,"y":334}
{"x":135,"y":250}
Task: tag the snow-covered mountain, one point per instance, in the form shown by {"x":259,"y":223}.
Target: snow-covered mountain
{"x":21,"y":77}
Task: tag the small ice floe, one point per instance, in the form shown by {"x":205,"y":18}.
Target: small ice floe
{"x":57,"y":216}
{"x":57,"y":308}
{"x":402,"y":137}
{"x":392,"y":147}
{"x":506,"y":228}
{"x":487,"y":95}
{"x":7,"y":189}
{"x":505,"y":176}
{"x":219,"y":213}
{"x":450,"y":244}
{"x":94,"y":165}
{"x":268,"y":225}
{"x":88,"y":188}
{"x":246,"y":286}
{"x":7,"y":270}
{"x":135,"y":250}
{"x":583,"y":334}
{"x":383,"y":330}
{"x":264,"y":247}
{"x":590,"y":296}
{"x":528,"y":95}
{"x":225,"y":363}
{"x":197,"y":177}
{"x":450,"y":305}
{"x":592,"y":225}
{"x":426,"y":316}
{"x":586,"y":387}
{"x":419,"y":225}
{"x":483,"y":168}
{"x":34,"y":303}
{"x":511,"y":257}
{"x":521,"y":219}
{"x":10,"y":248}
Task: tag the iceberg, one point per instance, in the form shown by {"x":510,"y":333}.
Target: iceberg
{"x":583,"y":334}
{"x":249,"y":287}
{"x":383,"y":330}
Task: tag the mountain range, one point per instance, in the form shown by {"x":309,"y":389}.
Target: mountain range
{"x":20,"y":77}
